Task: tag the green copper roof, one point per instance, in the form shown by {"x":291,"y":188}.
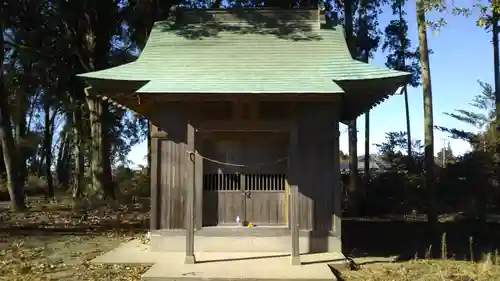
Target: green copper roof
{"x":233,"y":58}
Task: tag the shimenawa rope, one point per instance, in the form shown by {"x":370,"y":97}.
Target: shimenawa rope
{"x":191,"y":153}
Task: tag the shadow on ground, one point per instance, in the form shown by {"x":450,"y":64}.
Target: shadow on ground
{"x":409,"y":239}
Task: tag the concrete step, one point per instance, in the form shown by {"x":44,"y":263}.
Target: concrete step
{"x":243,"y":241}
{"x":245,"y":266}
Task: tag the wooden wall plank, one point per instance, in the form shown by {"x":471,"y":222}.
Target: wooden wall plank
{"x":171,"y":155}
{"x":337,"y":188}
{"x":287,"y":203}
{"x":189,"y":189}
{"x":155,"y":182}
{"x":198,"y":178}
{"x":318,"y":136}
{"x":266,"y":208}
{"x":293,"y":170}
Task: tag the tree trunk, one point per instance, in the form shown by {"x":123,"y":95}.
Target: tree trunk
{"x":102,"y":26}
{"x":367,"y":145}
{"x":78,"y":153}
{"x":428,"y":122}
{"x":20,"y":135}
{"x":402,"y":59}
{"x":62,"y":162}
{"x":96,"y":162}
{"x":408,"y":125}
{"x":496,"y":65}
{"x":47,"y":149}
{"x":216,"y":4}
{"x":2,"y":165}
{"x":496,"y":69}
{"x":107,"y":177}
{"x":14,"y":185}
{"x":486,"y":188}
{"x":352,"y":126}
{"x":100,"y":148}
{"x":363,"y":23}
{"x":149,"y":148}
{"x":11,"y":160}
{"x":21,"y":131}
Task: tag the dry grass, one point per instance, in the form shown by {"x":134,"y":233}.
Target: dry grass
{"x":444,"y":270}
{"x":57,"y":241}
{"x":86,"y":216}
{"x":62,"y":258}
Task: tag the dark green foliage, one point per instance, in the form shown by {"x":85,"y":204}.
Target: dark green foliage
{"x":132,"y":183}
{"x":483,"y":120}
{"x":398,"y":189}
{"x":392,"y":149}
{"x":366,"y":28}
{"x":460,"y":183}
{"x":396,"y":42}
{"x":484,"y":102}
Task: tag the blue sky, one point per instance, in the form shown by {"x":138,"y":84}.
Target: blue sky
{"x":462,"y":55}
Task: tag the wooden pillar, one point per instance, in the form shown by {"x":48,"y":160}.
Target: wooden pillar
{"x":337,"y":187}
{"x":154,"y":220}
{"x":294,"y":194}
{"x":194,"y":109}
{"x":198,"y":196}
{"x":190,"y":194}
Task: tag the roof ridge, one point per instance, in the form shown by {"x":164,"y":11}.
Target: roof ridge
{"x":246,"y":9}
{"x":268,"y":16}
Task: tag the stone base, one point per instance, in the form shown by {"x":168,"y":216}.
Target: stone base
{"x":190,"y":260}
{"x":241,"y":239}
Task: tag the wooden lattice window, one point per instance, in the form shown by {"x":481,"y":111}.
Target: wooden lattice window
{"x":221,"y":182}
{"x":240,"y":182}
{"x":264,"y":182}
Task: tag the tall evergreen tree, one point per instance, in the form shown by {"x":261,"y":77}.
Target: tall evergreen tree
{"x":421,"y":9}
{"x":367,"y":42}
{"x":401,"y":56}
{"x":362,"y":38}
{"x":348,"y":9}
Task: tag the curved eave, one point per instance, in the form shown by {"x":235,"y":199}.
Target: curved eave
{"x":117,"y":85}
{"x":125,"y":78}
{"x":371,"y":75}
{"x":243,"y":85}
{"x":363,"y":95}
{"x":113,"y":87}
{"x":137,"y":104}
{"x":127,"y":72}
{"x":353,"y":70}
{"x":394,"y":78}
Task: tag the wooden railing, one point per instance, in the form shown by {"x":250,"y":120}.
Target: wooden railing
{"x":239,"y":182}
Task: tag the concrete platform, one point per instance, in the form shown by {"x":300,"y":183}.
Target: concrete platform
{"x":242,"y":239}
{"x":223,"y":265}
{"x":228,"y":266}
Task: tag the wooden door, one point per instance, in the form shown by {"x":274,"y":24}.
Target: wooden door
{"x":253,"y":191}
{"x":223,"y":197}
{"x":266,"y":200}
{"x":264,"y":181}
